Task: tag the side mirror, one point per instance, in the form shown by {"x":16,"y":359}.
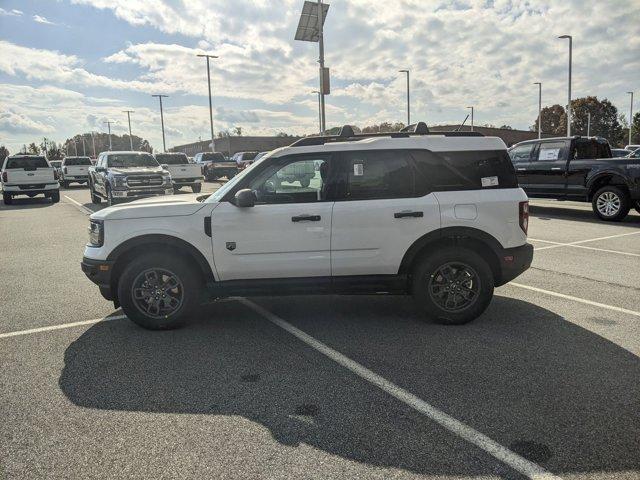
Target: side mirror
{"x":165,"y":166}
{"x":101,"y":169}
{"x":245,"y":198}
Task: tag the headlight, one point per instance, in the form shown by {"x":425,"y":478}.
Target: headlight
{"x":96,"y":233}
{"x":119,"y":181}
{"x":166,"y":179}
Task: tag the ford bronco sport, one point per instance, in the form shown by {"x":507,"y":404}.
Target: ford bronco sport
{"x":439,"y":216}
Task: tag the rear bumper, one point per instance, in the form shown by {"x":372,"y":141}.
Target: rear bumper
{"x":513,"y":262}
{"x":36,"y":188}
{"x":187,"y":181}
{"x":99,"y":272}
{"x":75,"y":178}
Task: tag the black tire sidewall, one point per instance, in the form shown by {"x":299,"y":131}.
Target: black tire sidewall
{"x":160,"y":260}
{"x":7,"y":199}
{"x":428,"y":265}
{"x":625,"y":203}
{"x":196,"y":188}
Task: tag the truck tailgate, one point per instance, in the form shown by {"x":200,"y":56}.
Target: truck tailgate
{"x":77,"y":170}
{"x":21,"y":176}
{"x":189,"y":170}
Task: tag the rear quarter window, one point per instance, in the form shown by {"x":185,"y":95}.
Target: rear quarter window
{"x":472,"y":170}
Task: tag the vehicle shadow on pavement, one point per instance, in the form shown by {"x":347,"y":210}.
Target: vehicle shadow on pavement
{"x":567,"y":213}
{"x":26,"y":203}
{"x":551,"y":391}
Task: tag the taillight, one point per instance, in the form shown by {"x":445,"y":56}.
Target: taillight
{"x":523,"y":209}
{"x":55,"y":174}
{"x":65,"y":170}
{"x":5,"y":177}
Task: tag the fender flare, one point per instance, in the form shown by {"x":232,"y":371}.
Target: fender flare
{"x":604,"y":173}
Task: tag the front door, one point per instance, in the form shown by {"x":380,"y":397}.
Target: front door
{"x":546,"y":174}
{"x":287,"y":234}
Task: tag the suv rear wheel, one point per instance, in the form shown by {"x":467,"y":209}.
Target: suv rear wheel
{"x":452,"y":286}
{"x":611,"y":203}
{"x":158,"y":292}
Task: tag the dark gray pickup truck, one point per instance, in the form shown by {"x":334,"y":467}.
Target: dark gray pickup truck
{"x":579,"y":168}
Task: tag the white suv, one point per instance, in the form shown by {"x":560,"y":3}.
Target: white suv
{"x":438,"y":216}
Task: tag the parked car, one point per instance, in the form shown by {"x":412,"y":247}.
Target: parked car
{"x":259,"y":156}
{"x":29,"y":175}
{"x":75,"y":169}
{"x":122,"y":176}
{"x":438,"y":217}
{"x":244,"y":159}
{"x":620,"y":152}
{"x":215,"y":165}
{"x":579,"y":168}
{"x":183,"y":173}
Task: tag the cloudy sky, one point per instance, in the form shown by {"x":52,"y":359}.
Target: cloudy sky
{"x":66,"y":66}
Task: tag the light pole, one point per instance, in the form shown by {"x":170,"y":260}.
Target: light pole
{"x":539,"y":108}
{"x":588,"y":124}
{"x":129,"y":112}
{"x":75,"y":145}
{"x":408,"y":98}
{"x":569,"y":95}
{"x":108,"y":122}
{"x":84,"y":150}
{"x":93,"y":141}
{"x":630,"y":115}
{"x":319,"y":111}
{"x":210,"y":102}
{"x":471,"y":118}
{"x":160,"y":97}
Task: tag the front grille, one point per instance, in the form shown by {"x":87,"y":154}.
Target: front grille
{"x":145,"y":181}
{"x":35,"y":186}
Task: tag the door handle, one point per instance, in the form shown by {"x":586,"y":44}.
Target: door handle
{"x":407,"y":214}
{"x":306,"y":218}
{"x":556,"y":168}
{"x":521,"y":169}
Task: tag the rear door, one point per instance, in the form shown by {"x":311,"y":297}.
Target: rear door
{"x":546,"y":174}
{"x":379,"y":213}
{"x":287,"y":234}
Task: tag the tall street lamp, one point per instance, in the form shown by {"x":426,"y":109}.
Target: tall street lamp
{"x":569,"y":94}
{"x":408,"y":97}
{"x":319,"y":111}
{"x":160,"y":97}
{"x":471,"y":118}
{"x":588,"y":124}
{"x":84,"y":151}
{"x":129,"y":112}
{"x":93,"y":141}
{"x":210,"y":102}
{"x":108,"y":122}
{"x":539,"y":108}
{"x":630,"y":115}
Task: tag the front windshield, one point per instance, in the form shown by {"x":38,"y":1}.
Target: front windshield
{"x":131,"y":160}
{"x":222,"y":191}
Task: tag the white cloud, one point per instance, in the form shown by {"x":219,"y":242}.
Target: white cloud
{"x":10,"y":13}
{"x":43,"y":20}
{"x":17,"y":123}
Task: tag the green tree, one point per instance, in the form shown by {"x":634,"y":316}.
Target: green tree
{"x":604,"y":119}
{"x":552,"y":121}
{"x":506,"y":127}
{"x":635,"y":130}
{"x":101,"y":141}
{"x":33,"y":149}
{"x":4,"y":153}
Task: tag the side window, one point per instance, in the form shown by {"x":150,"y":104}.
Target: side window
{"x":378,"y":174}
{"x":522,"y":153}
{"x":551,"y":151}
{"x":296,"y":179}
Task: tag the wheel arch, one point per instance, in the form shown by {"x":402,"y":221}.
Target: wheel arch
{"x":157,"y":242}
{"x":605,"y":178}
{"x":474,"y":239}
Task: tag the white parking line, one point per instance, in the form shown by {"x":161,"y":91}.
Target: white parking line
{"x":60,"y":326}
{"x":585,"y":241}
{"x":81,"y":207}
{"x":458,"y":428}
{"x":577,"y":299}
{"x":583,"y":247}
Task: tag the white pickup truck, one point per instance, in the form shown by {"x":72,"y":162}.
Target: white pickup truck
{"x":29,"y":175}
{"x":183,"y":173}
{"x":74,"y":169}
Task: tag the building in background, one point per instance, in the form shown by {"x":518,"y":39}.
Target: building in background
{"x":508,"y":136}
{"x":233,"y":144}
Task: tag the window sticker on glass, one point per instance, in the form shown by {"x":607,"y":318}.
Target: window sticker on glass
{"x":549,"y":153}
{"x":358,"y":169}
{"x":489,"y":181}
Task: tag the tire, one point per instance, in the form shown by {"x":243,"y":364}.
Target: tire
{"x":637,"y":206}
{"x":176,"y":189}
{"x":141,"y":311}
{"x":430,"y":285}
{"x":209,"y":177}
{"x":95,"y":199}
{"x":611,"y":203}
{"x":197,"y":188}
{"x":7,"y":198}
{"x":55,"y":197}
{"x":110,"y":200}
{"x":64,"y":184}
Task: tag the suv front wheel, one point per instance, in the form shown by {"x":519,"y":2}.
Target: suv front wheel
{"x":452,"y":286}
{"x":158,"y":292}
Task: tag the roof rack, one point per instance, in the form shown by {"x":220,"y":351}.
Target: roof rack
{"x":347,"y":134}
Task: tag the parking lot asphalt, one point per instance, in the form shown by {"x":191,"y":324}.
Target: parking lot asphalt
{"x":316,"y":387}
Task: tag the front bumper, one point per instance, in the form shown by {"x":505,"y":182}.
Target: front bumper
{"x":513,"y":262}
{"x":141,"y":193}
{"x":99,"y":272}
